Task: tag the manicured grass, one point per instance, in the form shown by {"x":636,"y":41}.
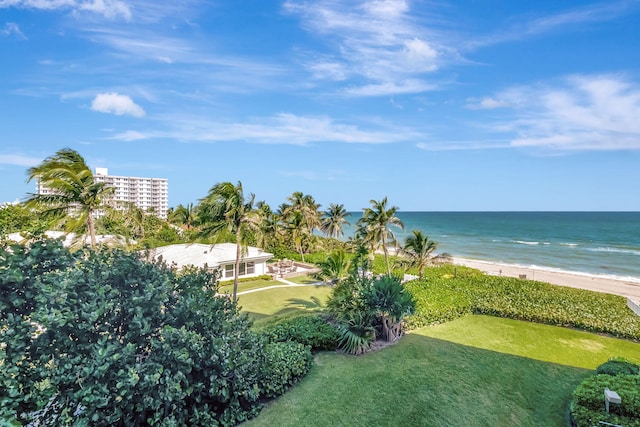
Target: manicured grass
{"x":560,"y":345}
{"x":304,"y":280}
{"x":272,"y":305}
{"x":245,"y":286}
{"x":474,"y":371}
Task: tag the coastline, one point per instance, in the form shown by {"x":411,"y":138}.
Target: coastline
{"x":629,"y":288}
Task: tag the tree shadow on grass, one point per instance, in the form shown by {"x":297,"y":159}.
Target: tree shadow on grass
{"x":426,"y":381}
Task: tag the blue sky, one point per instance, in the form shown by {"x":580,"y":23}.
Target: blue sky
{"x":438,"y":105}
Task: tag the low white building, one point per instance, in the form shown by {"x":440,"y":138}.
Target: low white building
{"x":221,"y":256}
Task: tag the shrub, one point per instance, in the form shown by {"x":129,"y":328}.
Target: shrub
{"x":356,"y":333}
{"x":285,"y":363}
{"x":453,"y":291}
{"x":618,"y":366}
{"x":106,"y":338}
{"x":312,"y":331}
{"x":588,"y":408}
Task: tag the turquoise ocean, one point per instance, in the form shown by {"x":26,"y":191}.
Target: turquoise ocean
{"x":593,"y":243}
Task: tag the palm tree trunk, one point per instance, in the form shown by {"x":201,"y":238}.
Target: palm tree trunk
{"x":92,"y":229}
{"x":236,"y":271}
{"x":386,"y":255}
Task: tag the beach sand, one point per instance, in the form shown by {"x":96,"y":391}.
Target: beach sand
{"x":625,"y":288}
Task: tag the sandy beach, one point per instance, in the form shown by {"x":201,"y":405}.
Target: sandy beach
{"x":626,"y":288}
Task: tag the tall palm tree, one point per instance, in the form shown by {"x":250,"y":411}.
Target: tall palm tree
{"x":184,"y":215}
{"x":419,"y":249}
{"x":271,"y":227}
{"x":225,"y":210}
{"x":301,"y":217}
{"x":307,"y":206}
{"x":333,"y":219}
{"x":74,"y":195}
{"x":374,"y":227}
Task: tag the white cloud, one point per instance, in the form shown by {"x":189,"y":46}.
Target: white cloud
{"x":580,"y":113}
{"x":115,"y":103}
{"x":18,"y":160}
{"x":379,"y":42}
{"x":284,"y":128}
{"x":596,"y":12}
{"x":110,"y":9}
{"x":11,"y":28}
{"x":391,"y":88}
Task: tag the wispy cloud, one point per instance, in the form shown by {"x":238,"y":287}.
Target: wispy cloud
{"x":523,"y":28}
{"x":582,"y":112}
{"x":12,"y":29}
{"x":284,"y":128}
{"x":18,"y":160}
{"x":378,"y":41}
{"x":111,"y":9}
{"x":117,"y":104}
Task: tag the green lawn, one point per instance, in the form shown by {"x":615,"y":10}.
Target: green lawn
{"x":271,"y":305}
{"x":474,"y":371}
{"x":303,"y":280}
{"x":245,"y":286}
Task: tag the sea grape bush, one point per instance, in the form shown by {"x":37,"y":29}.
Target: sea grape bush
{"x":587,"y":405}
{"x":285,"y":363}
{"x":310,"y":330}
{"x":453,"y":291}
{"x":618,"y":366}
{"x":104,"y":338}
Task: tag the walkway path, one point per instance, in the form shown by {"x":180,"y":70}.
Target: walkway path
{"x":287,"y":284}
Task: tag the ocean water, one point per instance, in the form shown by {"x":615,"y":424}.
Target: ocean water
{"x":594,"y":243}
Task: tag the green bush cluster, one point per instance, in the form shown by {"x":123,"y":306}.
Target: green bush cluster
{"x":453,"y":291}
{"x":309,"y":330}
{"x":245,"y":279}
{"x":618,"y":366}
{"x":285,"y":363}
{"x":588,"y":405}
{"x":104,"y":338}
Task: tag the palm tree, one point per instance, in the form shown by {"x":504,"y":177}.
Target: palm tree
{"x":225,"y":210}
{"x":74,"y":195}
{"x":301,"y":217}
{"x":374,"y":227}
{"x":335,"y":267}
{"x":307,"y":206}
{"x":184,"y":215}
{"x":333,"y":219}
{"x":419,"y":249}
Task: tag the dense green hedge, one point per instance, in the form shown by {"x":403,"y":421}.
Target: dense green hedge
{"x":105,"y":338}
{"x":452,"y":291}
{"x":285,"y":363}
{"x":588,"y":407}
{"x":310,"y":330}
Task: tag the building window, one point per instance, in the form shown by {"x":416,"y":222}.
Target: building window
{"x":228,"y":271}
{"x":251,"y":267}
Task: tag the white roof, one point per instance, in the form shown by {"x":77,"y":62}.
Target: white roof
{"x":199,"y":254}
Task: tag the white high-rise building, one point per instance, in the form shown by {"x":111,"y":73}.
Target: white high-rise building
{"x":149,"y":194}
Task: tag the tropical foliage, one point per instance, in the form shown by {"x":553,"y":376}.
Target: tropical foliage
{"x":309,"y":330}
{"x":333,"y":221}
{"x":74,"y":197}
{"x":335,"y":267}
{"x":225,"y":212}
{"x":453,"y":291}
{"x":103,"y":338}
{"x":420,"y":250}
{"x":587,"y":408}
{"x":374,"y":228}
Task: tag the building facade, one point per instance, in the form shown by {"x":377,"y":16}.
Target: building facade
{"x":149,"y":194}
